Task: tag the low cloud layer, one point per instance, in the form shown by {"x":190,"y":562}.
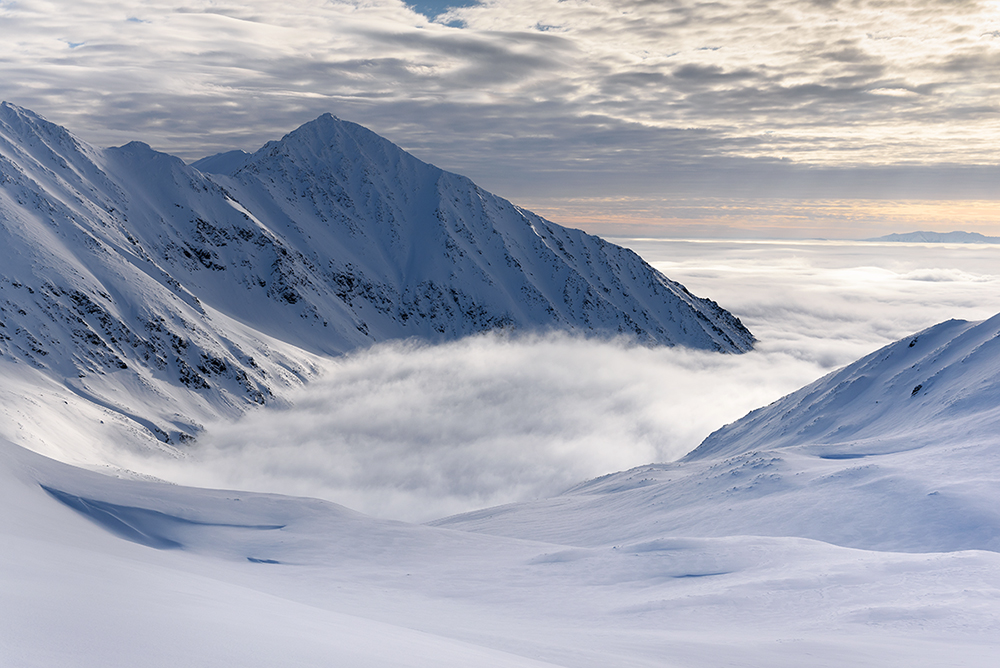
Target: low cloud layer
{"x":416,"y":432}
{"x":832,"y":302}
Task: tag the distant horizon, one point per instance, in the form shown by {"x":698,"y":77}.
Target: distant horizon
{"x":992,"y":241}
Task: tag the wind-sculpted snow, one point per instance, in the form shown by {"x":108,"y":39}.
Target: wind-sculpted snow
{"x":897,"y":451}
{"x":170,"y":296}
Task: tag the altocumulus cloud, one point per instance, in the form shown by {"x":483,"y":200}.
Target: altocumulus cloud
{"x":416,"y":432}
{"x":527,"y":95}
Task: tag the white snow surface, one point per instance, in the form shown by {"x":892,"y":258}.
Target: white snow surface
{"x":104,"y":572}
{"x":865,"y":538}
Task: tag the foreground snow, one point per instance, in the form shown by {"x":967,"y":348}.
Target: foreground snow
{"x":257,"y":580}
{"x":864,"y":538}
{"x":853,"y":522}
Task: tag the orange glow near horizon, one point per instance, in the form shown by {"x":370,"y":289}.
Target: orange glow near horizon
{"x":778,"y":218}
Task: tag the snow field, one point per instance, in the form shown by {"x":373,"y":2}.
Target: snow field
{"x":361,"y":592}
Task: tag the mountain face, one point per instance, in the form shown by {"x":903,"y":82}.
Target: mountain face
{"x":170,"y":295}
{"x":897,"y":451}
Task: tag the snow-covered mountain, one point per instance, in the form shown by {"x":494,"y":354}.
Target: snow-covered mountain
{"x":898,"y":451}
{"x":168,"y":295}
{"x":414,"y":250}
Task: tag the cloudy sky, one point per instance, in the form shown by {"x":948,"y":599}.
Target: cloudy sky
{"x":835,"y":118}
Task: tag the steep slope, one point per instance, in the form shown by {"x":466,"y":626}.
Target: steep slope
{"x":86,"y":304}
{"x":168,"y":296}
{"x":943,"y":382}
{"x":898,"y":451}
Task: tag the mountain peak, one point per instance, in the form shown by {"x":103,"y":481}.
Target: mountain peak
{"x":331,"y":139}
{"x":9,"y":110}
{"x":322,"y":129}
{"x":226,"y":162}
{"x":442,"y":247}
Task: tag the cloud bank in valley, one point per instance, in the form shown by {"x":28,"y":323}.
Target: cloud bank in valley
{"x":416,"y":431}
{"x":547,"y":98}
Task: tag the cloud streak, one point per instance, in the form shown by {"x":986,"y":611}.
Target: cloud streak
{"x":688,"y":215}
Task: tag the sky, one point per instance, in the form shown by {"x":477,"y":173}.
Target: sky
{"x":415,"y":432}
{"x":772,"y":118}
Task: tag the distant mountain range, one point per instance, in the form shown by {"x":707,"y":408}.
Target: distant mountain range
{"x":939,"y":238}
{"x":170,"y":294}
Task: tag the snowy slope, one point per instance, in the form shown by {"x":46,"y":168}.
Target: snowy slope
{"x":168,"y":296}
{"x":853,"y":522}
{"x":898,"y":451}
{"x":85,"y":303}
{"x":80,"y":593}
{"x":102,"y":572}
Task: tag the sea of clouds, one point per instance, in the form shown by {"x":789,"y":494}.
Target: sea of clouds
{"x":414,"y":431}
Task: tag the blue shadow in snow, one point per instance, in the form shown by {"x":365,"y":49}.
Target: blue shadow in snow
{"x":140,"y":525}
